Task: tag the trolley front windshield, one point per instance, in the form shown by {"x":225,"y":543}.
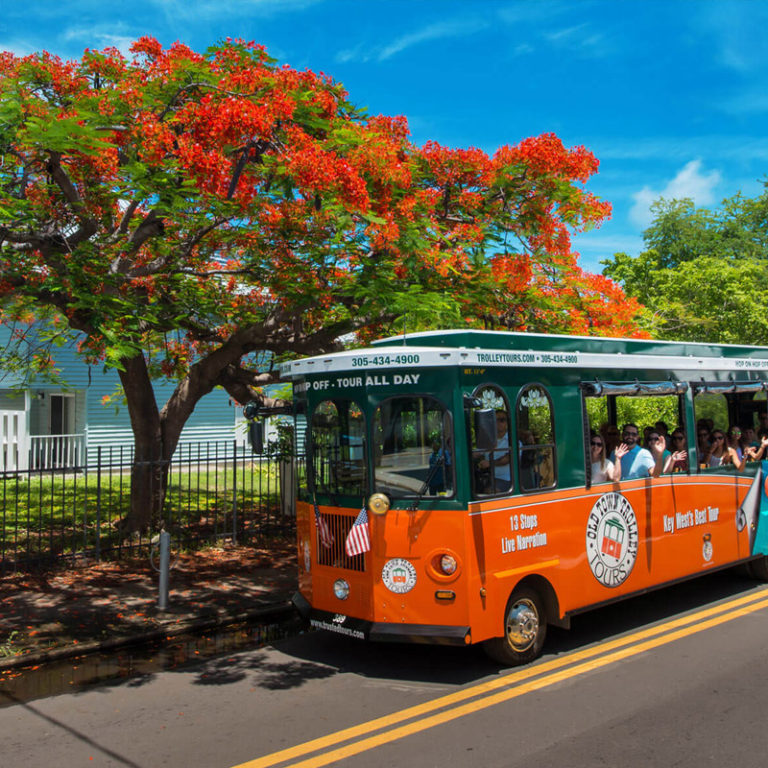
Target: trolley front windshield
{"x":413,"y":451}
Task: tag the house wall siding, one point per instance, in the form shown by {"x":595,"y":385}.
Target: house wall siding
{"x":108,"y":424}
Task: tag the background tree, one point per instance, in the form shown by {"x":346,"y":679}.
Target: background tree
{"x":181,"y":212}
{"x":704,"y":275}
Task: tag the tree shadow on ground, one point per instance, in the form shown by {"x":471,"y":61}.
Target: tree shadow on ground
{"x":263,"y":671}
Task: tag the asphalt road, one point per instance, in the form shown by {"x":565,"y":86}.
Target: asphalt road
{"x":675,"y":678}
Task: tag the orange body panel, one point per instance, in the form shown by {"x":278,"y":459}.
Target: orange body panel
{"x":591,"y":546}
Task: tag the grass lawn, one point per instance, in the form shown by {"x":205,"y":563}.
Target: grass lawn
{"x":51,"y":514}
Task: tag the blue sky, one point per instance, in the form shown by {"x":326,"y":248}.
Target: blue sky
{"x":670,"y":95}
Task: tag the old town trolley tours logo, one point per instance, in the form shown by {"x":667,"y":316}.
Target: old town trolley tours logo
{"x":399,"y":576}
{"x":612,"y":539}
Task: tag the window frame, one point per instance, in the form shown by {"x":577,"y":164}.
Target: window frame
{"x":510,"y":448}
{"x":364,"y":484}
{"x":536,"y":446}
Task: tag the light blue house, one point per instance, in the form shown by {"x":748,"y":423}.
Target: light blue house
{"x":44,"y":425}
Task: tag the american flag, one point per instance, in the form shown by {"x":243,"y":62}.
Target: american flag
{"x":326,"y":537}
{"x":358,"y":538}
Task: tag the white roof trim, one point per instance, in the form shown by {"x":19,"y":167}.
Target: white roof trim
{"x":396,"y":358}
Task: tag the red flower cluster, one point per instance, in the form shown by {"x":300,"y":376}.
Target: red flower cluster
{"x":206,"y":193}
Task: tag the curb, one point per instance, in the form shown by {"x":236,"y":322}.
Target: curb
{"x":266,"y":614}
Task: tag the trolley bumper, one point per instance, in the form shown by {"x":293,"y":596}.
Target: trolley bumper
{"x":433,"y":634}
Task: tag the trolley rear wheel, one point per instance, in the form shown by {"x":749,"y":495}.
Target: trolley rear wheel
{"x":525,"y":629}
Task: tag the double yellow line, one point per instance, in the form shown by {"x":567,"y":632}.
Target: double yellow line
{"x":504,"y":688}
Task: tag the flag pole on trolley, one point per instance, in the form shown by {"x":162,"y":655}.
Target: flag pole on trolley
{"x":326,"y":537}
{"x":359,"y":536}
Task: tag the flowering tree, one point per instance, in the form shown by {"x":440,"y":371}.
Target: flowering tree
{"x":182,"y":211}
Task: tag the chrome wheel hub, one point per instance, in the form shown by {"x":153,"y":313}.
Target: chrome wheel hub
{"x":522,"y":625}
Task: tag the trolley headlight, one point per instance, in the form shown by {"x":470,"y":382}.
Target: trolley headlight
{"x":443,"y":565}
{"x":341,"y":589}
{"x":378,"y":503}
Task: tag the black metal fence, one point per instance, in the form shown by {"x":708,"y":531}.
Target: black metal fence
{"x":215,"y":491}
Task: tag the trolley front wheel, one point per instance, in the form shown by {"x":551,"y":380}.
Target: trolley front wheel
{"x":525,"y":629}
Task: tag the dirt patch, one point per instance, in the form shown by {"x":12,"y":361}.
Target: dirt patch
{"x":110,"y":599}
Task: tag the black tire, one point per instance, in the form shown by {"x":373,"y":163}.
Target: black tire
{"x":758,"y":569}
{"x":525,"y":629}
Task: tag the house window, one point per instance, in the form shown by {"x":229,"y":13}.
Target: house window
{"x":62,"y":415}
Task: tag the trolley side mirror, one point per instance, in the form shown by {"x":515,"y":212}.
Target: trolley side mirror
{"x":256,"y":436}
{"x":485,"y":429}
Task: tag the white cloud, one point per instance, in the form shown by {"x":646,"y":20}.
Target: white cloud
{"x":689,"y":182}
{"x":726,"y":148}
{"x":746,"y":103}
{"x":736,"y":32}
{"x":99,"y":36}
{"x":439,"y":31}
{"x":233,"y":9}
{"x":17,"y":48}
{"x":598,"y":246}
{"x":578,"y":40}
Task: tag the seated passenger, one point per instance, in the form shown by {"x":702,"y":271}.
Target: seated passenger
{"x":663,"y":430}
{"x":636,"y":461}
{"x":529,"y":476}
{"x":658,"y":442}
{"x":678,"y":459}
{"x":502,"y":479}
{"x":544,"y":465}
{"x":647,"y":431}
{"x":752,"y":453}
{"x":703,"y":438}
{"x":439,"y":466}
{"x":734,"y":440}
{"x":748,"y":438}
{"x":603,"y":470}
{"x":720,"y":454}
{"x":611,"y":437}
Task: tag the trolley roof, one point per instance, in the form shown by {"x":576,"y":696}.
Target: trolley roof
{"x":508,"y":349}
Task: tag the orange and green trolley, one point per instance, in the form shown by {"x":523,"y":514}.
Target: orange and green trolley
{"x":450,"y":495}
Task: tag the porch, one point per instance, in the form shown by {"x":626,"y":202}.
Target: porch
{"x":42,"y":430}
{"x":56,"y":451}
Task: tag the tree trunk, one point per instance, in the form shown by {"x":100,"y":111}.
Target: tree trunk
{"x":152,"y":451}
{"x":156,"y":432}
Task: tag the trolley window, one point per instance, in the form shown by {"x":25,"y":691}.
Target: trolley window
{"x":536,"y":439}
{"x":338,"y":448}
{"x":413,"y":451}
{"x":492,"y":469}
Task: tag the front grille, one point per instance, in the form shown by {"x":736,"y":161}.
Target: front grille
{"x":335,"y":555}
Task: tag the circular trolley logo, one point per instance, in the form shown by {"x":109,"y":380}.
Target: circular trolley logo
{"x":612,"y":539}
{"x":399,"y":576}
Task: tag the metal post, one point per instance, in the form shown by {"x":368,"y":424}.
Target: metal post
{"x":165,"y":566}
{"x":234,"y":492}
{"x":98,"y":504}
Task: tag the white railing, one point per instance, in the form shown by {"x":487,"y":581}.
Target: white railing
{"x":56,"y":451}
{"x":13,"y":443}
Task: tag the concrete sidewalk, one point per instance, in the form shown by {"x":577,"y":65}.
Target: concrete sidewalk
{"x":107,"y":605}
